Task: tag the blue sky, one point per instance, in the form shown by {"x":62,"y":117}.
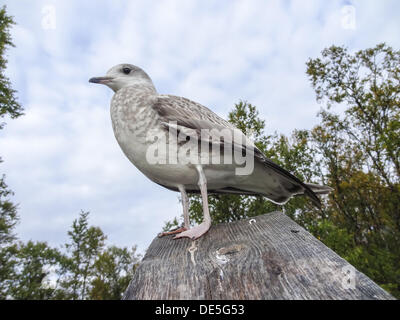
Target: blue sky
{"x":62,"y":157}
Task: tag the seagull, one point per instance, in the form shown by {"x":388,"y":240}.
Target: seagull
{"x":139,"y":114}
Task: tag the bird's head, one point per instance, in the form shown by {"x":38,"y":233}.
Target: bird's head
{"x":124,"y":75}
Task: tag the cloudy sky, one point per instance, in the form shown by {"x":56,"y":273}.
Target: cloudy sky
{"x":62,"y":157}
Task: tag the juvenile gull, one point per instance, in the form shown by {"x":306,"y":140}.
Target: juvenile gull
{"x":139,"y":113}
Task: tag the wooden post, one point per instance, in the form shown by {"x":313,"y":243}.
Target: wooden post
{"x":268,"y":257}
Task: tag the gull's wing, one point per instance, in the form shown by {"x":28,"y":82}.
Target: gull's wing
{"x":169,"y":106}
{"x":190,"y":118}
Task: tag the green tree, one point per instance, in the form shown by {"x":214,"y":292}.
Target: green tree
{"x":359,"y":154}
{"x":113,"y":269}
{"x":8,"y":102}
{"x":8,"y":211}
{"x":8,"y":246}
{"x":85,"y":270}
{"x":35,"y":266}
{"x":90,"y":270}
{"x":86,"y":244}
{"x":8,"y":215}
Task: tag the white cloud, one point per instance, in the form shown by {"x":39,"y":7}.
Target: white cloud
{"x":62,"y":157}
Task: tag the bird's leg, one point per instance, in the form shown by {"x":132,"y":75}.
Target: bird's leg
{"x":202,"y":228}
{"x":185,"y":205}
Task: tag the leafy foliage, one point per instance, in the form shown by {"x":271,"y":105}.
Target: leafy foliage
{"x":8,"y":103}
{"x":86,"y":269}
{"x":113,"y":270}
{"x":360,"y":154}
{"x":8,"y":215}
{"x":8,"y":210}
{"x":86,"y":243}
{"x":90,"y":270}
{"x":33,"y":268}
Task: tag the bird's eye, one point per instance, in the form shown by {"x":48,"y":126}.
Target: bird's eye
{"x":126,"y":70}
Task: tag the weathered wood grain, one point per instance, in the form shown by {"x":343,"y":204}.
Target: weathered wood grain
{"x":270,"y":257}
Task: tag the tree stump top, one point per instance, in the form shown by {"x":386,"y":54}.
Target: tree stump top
{"x":267,"y":257}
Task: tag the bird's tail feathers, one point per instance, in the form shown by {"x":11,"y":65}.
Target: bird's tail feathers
{"x":319,"y":189}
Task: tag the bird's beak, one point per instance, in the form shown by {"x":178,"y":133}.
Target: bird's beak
{"x":101,"y":80}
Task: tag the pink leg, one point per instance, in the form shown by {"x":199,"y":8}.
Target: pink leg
{"x":175,"y":231}
{"x":202,"y":228}
{"x":185,"y":204}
